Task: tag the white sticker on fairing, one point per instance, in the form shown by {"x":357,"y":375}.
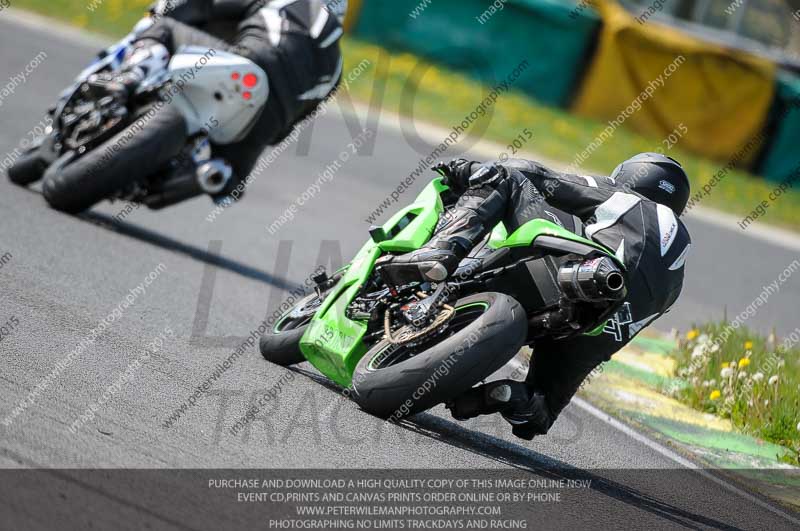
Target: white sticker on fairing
{"x":667,"y":226}
{"x":319,"y":24}
{"x":620,"y":254}
{"x":681,"y":260}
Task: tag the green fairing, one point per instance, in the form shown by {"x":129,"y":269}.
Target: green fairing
{"x":527,"y":233}
{"x":333,"y":343}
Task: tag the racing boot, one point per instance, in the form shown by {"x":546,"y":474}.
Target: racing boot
{"x":459,"y":230}
{"x":144,"y":63}
{"x":494,"y":397}
{"x":526,"y":410}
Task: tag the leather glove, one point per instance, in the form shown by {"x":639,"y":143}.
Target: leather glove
{"x":486,"y":174}
{"x":456,"y":174}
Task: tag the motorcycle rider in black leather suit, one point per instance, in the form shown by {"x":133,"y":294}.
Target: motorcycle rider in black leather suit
{"x":295,"y":42}
{"x":634,"y":212}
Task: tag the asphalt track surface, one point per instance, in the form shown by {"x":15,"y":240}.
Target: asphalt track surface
{"x":217,"y":281}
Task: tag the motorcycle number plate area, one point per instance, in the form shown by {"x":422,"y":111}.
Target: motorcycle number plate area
{"x":333,"y":343}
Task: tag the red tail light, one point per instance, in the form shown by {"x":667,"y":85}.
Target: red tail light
{"x":250,"y":80}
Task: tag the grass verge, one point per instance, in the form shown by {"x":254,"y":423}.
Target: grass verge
{"x":445,"y":97}
{"x":750,"y":379}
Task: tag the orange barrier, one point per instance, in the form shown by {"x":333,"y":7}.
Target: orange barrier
{"x":655,"y":78}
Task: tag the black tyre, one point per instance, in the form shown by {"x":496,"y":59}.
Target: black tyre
{"x":28,"y":168}
{"x":138,"y":151}
{"x":486,"y":332}
{"x":281,"y":345}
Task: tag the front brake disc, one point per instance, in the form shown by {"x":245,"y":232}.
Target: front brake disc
{"x":408,"y":333}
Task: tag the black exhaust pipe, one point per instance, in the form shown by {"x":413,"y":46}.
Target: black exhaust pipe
{"x":593,"y":280}
{"x":174,"y":190}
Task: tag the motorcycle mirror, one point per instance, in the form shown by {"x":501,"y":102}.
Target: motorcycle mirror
{"x":377,"y":234}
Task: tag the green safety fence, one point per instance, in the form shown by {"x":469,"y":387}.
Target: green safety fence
{"x":488,"y":40}
{"x":781,"y":160}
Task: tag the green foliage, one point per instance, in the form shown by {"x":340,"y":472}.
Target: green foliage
{"x":446,"y":97}
{"x":112,"y":17}
{"x":750,"y":379}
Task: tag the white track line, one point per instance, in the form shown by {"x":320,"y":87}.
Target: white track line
{"x":759,"y":231}
{"x":669,"y":454}
{"x":633,"y":434}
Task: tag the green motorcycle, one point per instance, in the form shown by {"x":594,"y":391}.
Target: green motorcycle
{"x":400,"y":350}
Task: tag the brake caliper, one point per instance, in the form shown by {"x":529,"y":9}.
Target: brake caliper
{"x":424,"y":317}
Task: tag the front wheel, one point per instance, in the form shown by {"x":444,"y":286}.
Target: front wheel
{"x":281,"y":345}
{"x":28,"y":168}
{"x":157,"y":134}
{"x":395,"y":381}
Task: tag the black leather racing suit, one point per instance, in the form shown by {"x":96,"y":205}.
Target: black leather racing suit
{"x":296,"y":42}
{"x":649,"y":238}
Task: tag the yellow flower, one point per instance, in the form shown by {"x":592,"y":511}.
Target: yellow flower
{"x":744,"y":362}
{"x":748,"y":345}
{"x":715,"y":394}
{"x":692,"y":334}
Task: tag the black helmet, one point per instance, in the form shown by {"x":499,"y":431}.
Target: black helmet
{"x":656,"y":177}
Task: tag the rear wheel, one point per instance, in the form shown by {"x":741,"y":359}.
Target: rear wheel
{"x":156,"y":135}
{"x":281,"y":345}
{"x":395,"y":381}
